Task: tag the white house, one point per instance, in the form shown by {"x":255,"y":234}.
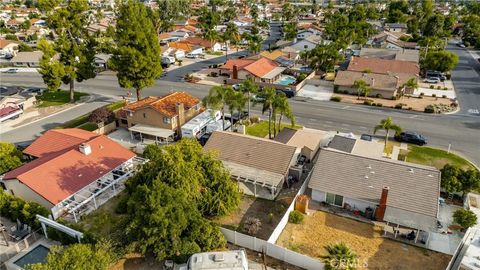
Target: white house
{"x":309,"y":43}
{"x":8,"y":47}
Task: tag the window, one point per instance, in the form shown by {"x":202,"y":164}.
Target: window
{"x":334,"y":199}
{"x":124,"y":121}
{"x":305,"y":46}
{"x":144,"y":115}
{"x":167,"y":120}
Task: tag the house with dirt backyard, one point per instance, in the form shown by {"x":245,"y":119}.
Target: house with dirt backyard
{"x":402,"y":195}
{"x":260,"y":166}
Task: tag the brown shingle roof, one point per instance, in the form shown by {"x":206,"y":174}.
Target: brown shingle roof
{"x":383,"y":66}
{"x":376,"y":81}
{"x":414,"y":188}
{"x":251,"y":151}
{"x":166,"y":105}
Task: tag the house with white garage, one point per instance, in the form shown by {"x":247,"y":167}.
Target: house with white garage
{"x":401,"y":194}
{"x":260,"y":166}
{"x":309,"y":43}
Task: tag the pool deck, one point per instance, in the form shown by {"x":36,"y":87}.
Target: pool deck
{"x":17,"y":247}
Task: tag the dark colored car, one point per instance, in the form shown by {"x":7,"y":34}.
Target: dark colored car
{"x":288,"y":92}
{"x":411,"y":137}
{"x":366,"y":137}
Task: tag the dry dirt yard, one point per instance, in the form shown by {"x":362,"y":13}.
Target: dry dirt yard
{"x":374,"y":251}
{"x":417,"y":104}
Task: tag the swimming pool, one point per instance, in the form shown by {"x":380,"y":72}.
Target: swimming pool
{"x":286,"y":80}
{"x":37,"y":255}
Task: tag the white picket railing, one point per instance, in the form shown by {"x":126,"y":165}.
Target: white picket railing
{"x":272,"y":250}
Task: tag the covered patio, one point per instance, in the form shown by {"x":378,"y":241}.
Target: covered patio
{"x":256,"y":182}
{"x":273,"y":75}
{"x":96,"y":193}
{"x":151,"y":134}
{"x":409,"y":227}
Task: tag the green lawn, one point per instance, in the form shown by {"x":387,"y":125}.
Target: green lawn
{"x":261,"y":129}
{"x":116,"y":105}
{"x":435,"y":157}
{"x":57,"y":98}
{"x":75,"y":122}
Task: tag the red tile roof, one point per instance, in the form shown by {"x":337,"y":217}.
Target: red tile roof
{"x":56,"y":140}
{"x":383,"y":66}
{"x":199,"y":42}
{"x":240,"y":63}
{"x":57,"y":175}
{"x":261,"y":67}
{"x":6,"y":42}
{"x":165,"y":105}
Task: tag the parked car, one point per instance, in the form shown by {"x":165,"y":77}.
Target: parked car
{"x":34,"y":90}
{"x":288,"y":92}
{"x":11,"y":70}
{"x":236,"y":86}
{"x":411,"y":137}
{"x":432,"y":80}
{"x":192,"y":55}
{"x":435,"y":74}
{"x":258,"y":98}
{"x":461,"y":45}
{"x":366,"y":137}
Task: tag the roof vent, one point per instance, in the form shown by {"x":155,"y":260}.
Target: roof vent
{"x":410,"y":170}
{"x":372,"y":172}
{"x":366,"y":176}
{"x":85,"y":149}
{"x":218,"y":257}
{"x":430,"y":175}
{"x":369,"y":166}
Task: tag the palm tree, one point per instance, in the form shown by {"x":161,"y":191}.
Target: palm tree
{"x":235,"y":102}
{"x":231,"y":35}
{"x":340,"y":257}
{"x":282,"y":107}
{"x":362,"y":87}
{"x":387,"y":125}
{"x":217,"y":99}
{"x":269,"y":94}
{"x":249,"y":87}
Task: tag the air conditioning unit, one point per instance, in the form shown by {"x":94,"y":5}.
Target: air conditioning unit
{"x":85,"y":149}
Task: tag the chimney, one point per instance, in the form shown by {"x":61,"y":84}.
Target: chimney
{"x":373,"y":82}
{"x":180,"y":110}
{"x":382,"y":206}
{"x":235,"y":72}
{"x":85,"y":149}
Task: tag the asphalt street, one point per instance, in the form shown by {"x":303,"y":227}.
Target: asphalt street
{"x":462,"y":131}
{"x":466,"y":79}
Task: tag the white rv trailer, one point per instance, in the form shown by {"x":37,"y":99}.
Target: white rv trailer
{"x":196,"y":127}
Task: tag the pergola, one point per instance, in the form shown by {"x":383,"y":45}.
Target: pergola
{"x":260,"y":179}
{"x":98,"y":192}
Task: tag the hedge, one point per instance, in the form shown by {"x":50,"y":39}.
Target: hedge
{"x":14,"y":208}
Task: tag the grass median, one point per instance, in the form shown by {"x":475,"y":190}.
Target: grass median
{"x":435,"y":157}
{"x":261,"y":129}
{"x":57,"y":98}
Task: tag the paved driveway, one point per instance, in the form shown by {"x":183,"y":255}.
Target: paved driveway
{"x":316,"y":92}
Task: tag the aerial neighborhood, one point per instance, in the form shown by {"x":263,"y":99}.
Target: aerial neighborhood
{"x":239,"y":134}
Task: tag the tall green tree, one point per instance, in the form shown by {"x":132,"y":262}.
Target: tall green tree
{"x":236,"y":102}
{"x":282,"y":107}
{"x":470,"y":180}
{"x":340,"y":257}
{"x":76,"y":257}
{"x":51,"y":69}
{"x":137,"y":57}
{"x":217,"y":99}
{"x":471,"y":30}
{"x":171,"y":10}
{"x":74,"y":46}
{"x":450,"y":178}
{"x":231,"y":36}
{"x":249,"y":87}
{"x":387,"y":125}
{"x":268,"y":103}
{"x":440,"y":60}
{"x":10,"y":157}
{"x":324,"y":57}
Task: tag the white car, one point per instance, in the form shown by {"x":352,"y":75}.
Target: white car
{"x":192,"y":56}
{"x":432,"y":80}
{"x":236,"y":86}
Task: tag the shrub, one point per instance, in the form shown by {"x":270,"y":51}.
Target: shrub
{"x":422,"y":94}
{"x":394,"y":98}
{"x":100,"y":115}
{"x":15,"y":208}
{"x":301,"y":77}
{"x":270,"y":218}
{"x":254,"y":119}
{"x":409,"y":108}
{"x":464,"y":218}
{"x":373,"y":104}
{"x":399,"y":106}
{"x":378,"y":96}
{"x":444,"y":96}
{"x":367,"y":102}
{"x":439,"y":87}
{"x":379,"y":105}
{"x":252,"y":225}
{"x":336,"y":98}
{"x":445,"y":88}
{"x":431,"y":86}
{"x":335,"y":89}
{"x":346,"y":92}
{"x":429,"y":109}
{"x":295,"y":217}
{"x":434,"y":95}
